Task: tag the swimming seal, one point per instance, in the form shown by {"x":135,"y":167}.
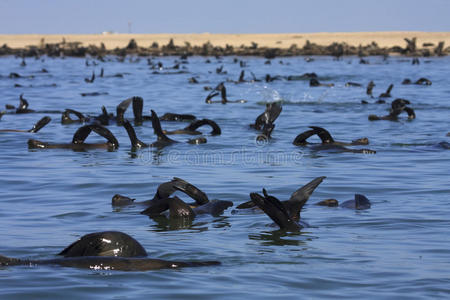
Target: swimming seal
{"x":223,"y":92}
{"x":358,"y":202}
{"x":271,"y":113}
{"x":420,"y":81}
{"x":66,"y":117}
{"x":192,"y":128}
{"x":177,"y":117}
{"x":23,"y":106}
{"x":369,"y":89}
{"x":177,"y":207}
{"x":387,"y":94}
{"x":108,"y":250}
{"x":295,"y":202}
{"x":328,"y":143}
{"x":397,"y":107}
{"x":36,"y":127}
{"x":275,"y":209}
{"x":78,"y":140}
{"x":162,"y":139}
{"x":313,"y":82}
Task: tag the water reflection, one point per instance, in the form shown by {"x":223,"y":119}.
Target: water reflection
{"x":281,"y":238}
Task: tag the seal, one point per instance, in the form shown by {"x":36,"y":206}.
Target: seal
{"x":162,"y":139}
{"x":36,"y":127}
{"x":23,"y":106}
{"x":271,"y":113}
{"x":387,"y":94}
{"x":177,"y":208}
{"x":328,"y":143}
{"x":275,"y":209}
{"x":108,"y":250}
{"x":78,"y":140}
{"x":369,"y":89}
{"x":66,"y":117}
{"x":177,"y":117}
{"x":359,"y":202}
{"x":192,"y":128}
{"x":223,"y":93}
{"x":295,"y":203}
{"x":313,"y":82}
{"x":397,"y":107}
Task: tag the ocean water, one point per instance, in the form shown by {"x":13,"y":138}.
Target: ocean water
{"x":399,"y":248}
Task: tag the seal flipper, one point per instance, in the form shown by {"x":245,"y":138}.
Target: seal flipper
{"x":275,"y":210}
{"x":213,"y":207}
{"x":361,"y":202}
{"x":156,"y":124}
{"x":83,"y":132}
{"x":177,"y":208}
{"x":298,"y":198}
{"x":196,"y":124}
{"x":300,"y":140}
{"x":65,"y":118}
{"x":210,"y":96}
{"x":40,"y":124}
{"x":192,"y":191}
{"x":135,"y":142}
{"x":323,"y":134}
{"x":121,"y":108}
{"x":138,"y":105}
{"x":23,"y":105}
{"x":2,"y":113}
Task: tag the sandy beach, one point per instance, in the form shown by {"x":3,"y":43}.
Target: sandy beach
{"x":112,"y":40}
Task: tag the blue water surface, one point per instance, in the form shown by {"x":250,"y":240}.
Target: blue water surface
{"x":399,"y":248}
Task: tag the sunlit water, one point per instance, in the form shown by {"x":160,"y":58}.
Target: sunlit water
{"x":399,"y":248}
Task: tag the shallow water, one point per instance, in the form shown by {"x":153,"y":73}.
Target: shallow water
{"x":399,"y":248}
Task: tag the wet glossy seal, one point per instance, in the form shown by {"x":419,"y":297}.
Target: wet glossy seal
{"x":223,"y":93}
{"x":109,"y":250}
{"x":36,"y":127}
{"x":358,"y":202}
{"x":78,"y":140}
{"x":328,"y":143}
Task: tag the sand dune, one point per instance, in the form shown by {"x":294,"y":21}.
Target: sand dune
{"x":383,"y":39}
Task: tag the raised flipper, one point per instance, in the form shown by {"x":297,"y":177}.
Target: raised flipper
{"x":241,"y":77}
{"x":83,"y":132}
{"x":275,"y":210}
{"x":323,"y":134}
{"x":40,"y":124}
{"x":121,"y":108}
{"x":196,"y":124}
{"x":210,"y":96}
{"x":300,"y":140}
{"x":399,"y":103}
{"x":161,"y":137}
{"x":23,"y":105}
{"x":223,"y":93}
{"x":138,"y":105}
{"x":2,"y":113}
{"x":369,"y":89}
{"x":192,"y":191}
{"x":66,"y":119}
{"x":359,"y":202}
{"x":298,"y":198}
{"x":135,"y":142}
{"x":271,"y":113}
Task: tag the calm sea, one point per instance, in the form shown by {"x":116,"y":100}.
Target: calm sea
{"x":399,"y":248}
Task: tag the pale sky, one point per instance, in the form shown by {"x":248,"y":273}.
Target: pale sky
{"x":226,"y":16}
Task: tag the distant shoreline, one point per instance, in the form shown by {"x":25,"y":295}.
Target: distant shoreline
{"x":283,"y":44}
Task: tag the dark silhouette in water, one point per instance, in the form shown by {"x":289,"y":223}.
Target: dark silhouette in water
{"x":192,"y":128}
{"x":369,"y":90}
{"x":223,"y":92}
{"x":78,"y":140}
{"x":108,"y":250}
{"x":328,"y":143}
{"x":161,"y":141}
{"x":387,"y":94}
{"x":66,"y":117}
{"x":295,"y":203}
{"x":36,"y":127}
{"x":177,"y":117}
{"x":420,"y":81}
{"x":313,"y":82}
{"x":397,"y":107}
{"x":358,"y":202}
